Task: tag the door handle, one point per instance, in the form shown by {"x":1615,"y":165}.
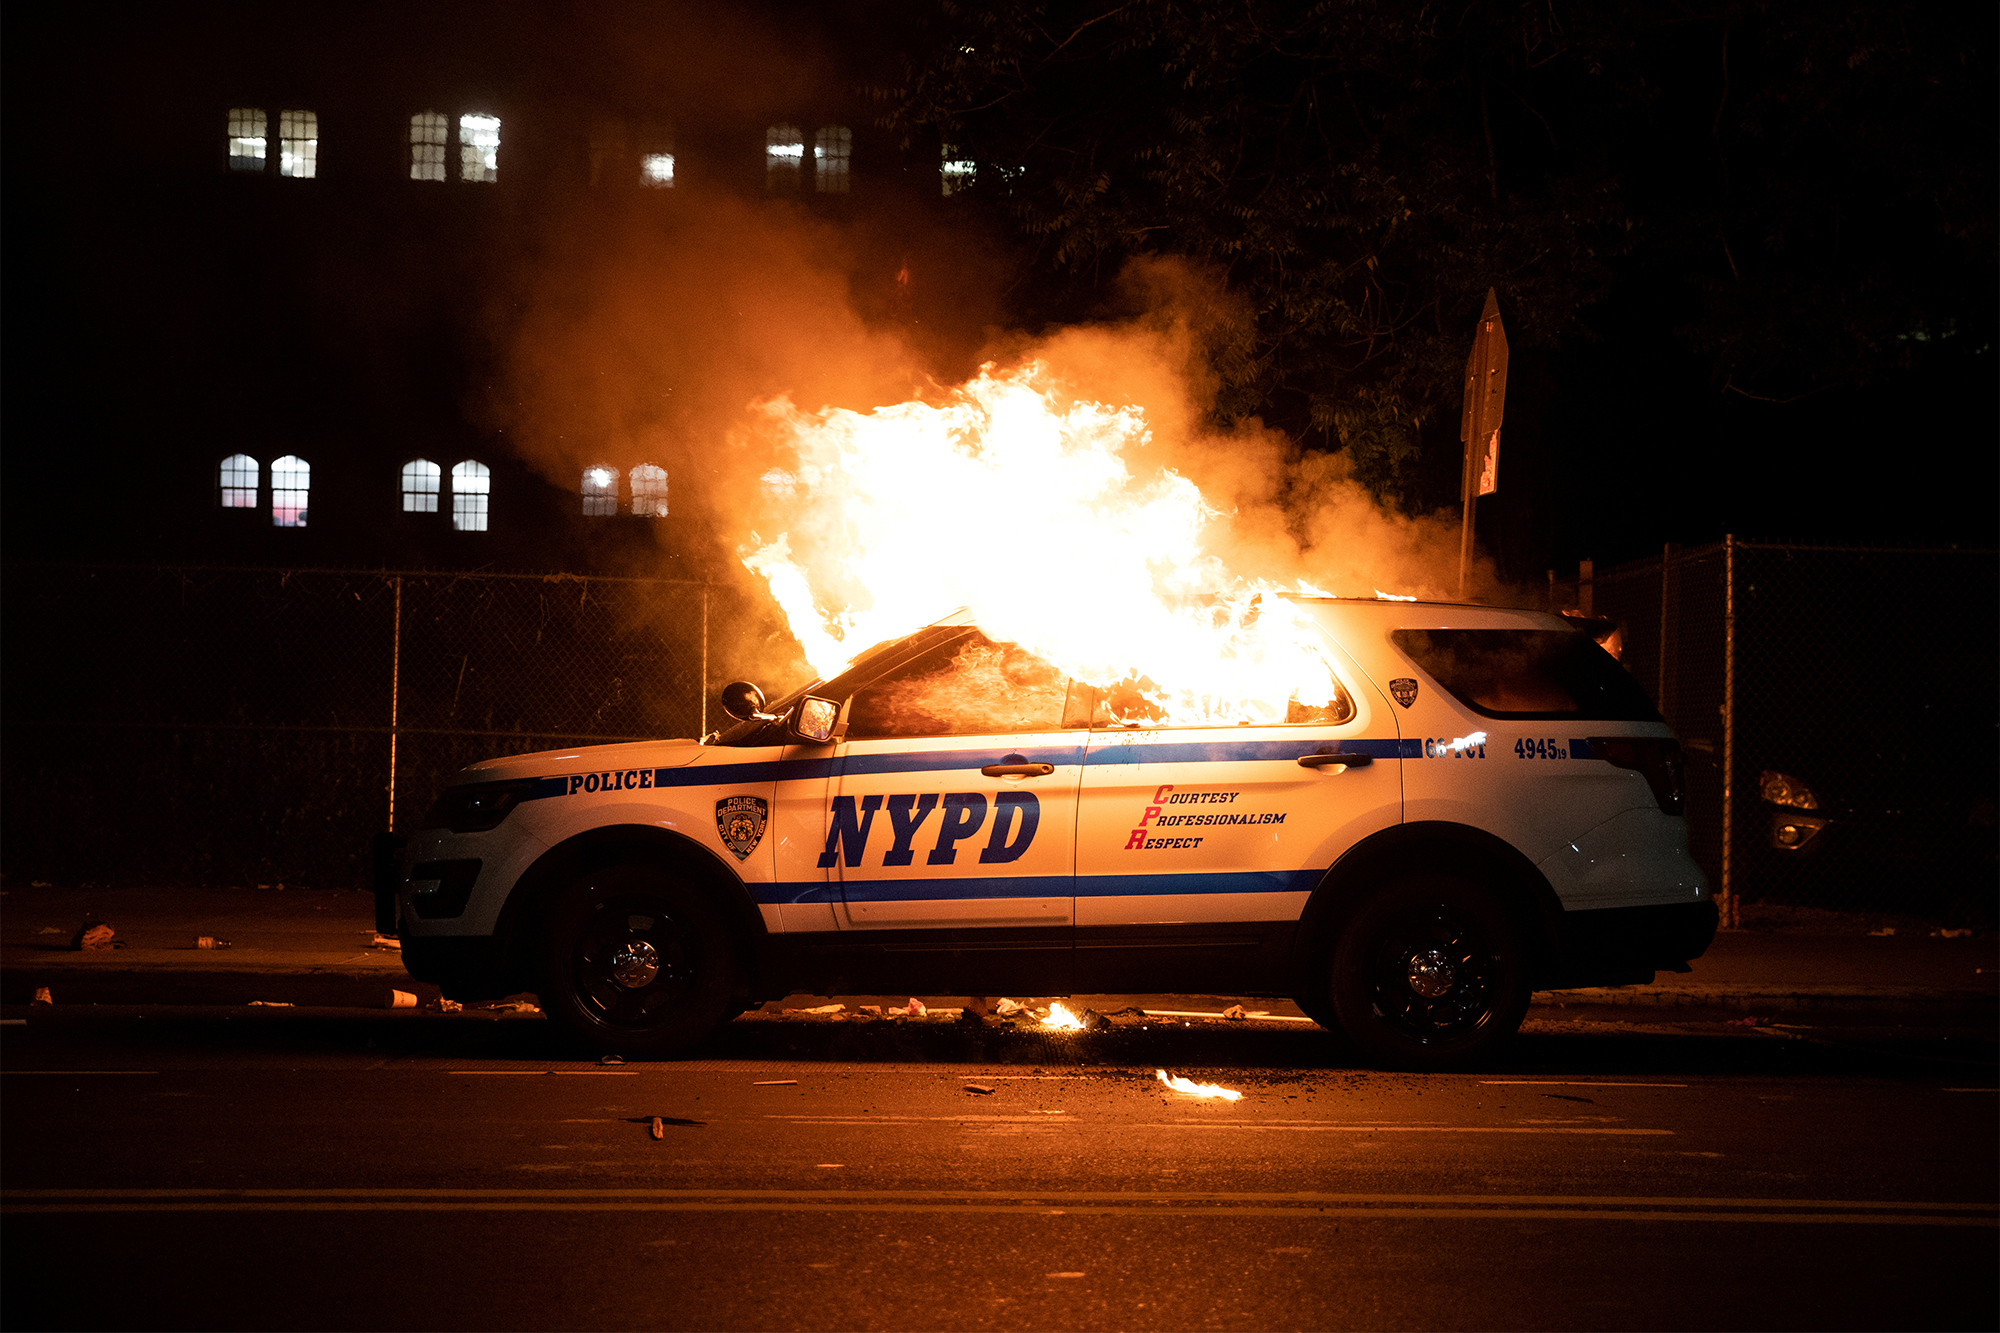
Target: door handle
{"x":1016,"y":766}
{"x":1327,"y":760}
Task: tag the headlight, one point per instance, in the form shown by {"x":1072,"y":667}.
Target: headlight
{"x":478,"y":806}
{"x":1784,"y":789}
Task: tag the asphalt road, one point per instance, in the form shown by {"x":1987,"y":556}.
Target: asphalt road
{"x":217,"y":1169}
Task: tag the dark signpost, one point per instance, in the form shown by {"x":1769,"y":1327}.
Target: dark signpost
{"x":1479,"y":426}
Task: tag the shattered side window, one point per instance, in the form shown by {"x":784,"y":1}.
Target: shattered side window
{"x":649,"y":490}
{"x":427,"y":136}
{"x":600,"y":491}
{"x":247,"y":129}
{"x":420,"y":486}
{"x":967,"y":687}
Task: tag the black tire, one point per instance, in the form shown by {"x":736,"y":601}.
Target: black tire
{"x":1430,"y":973}
{"x":637,"y":962}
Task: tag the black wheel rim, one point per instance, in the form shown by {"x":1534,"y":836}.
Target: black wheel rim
{"x":634,"y":965}
{"x":1434,"y":975}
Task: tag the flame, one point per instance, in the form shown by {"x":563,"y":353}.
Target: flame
{"x":1181,"y":1083}
{"x":1042,"y":516}
{"x":1060,"y":1019}
{"x":1381,"y":596}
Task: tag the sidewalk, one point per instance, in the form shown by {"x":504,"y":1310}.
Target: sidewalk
{"x":313,"y":947}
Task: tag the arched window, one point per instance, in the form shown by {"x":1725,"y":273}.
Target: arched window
{"x":427,"y":136}
{"x":649,"y":491}
{"x":291,"y":480}
{"x":784,"y":152}
{"x":833,"y":151}
{"x":600,"y":491}
{"x":420,"y":486}
{"x":237,"y":482}
{"x":471,"y":489}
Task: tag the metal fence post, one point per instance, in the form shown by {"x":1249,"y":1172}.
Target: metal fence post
{"x":1728,"y":895}
{"x":395,"y":688}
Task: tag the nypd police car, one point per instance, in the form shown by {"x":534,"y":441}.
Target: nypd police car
{"x":1483,"y":804}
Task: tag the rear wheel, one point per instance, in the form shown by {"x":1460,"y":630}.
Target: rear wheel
{"x":637,"y":962}
{"x":1431,"y":973}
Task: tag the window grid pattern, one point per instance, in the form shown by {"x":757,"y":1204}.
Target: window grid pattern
{"x":471,"y":492}
{"x":600,"y":491}
{"x":421,"y":479}
{"x":649,"y":491}
{"x":298,"y":144}
{"x":427,"y":143}
{"x":656,"y":170}
{"x":237,"y":480}
{"x":833,"y":152}
{"x":291,"y":481}
{"x":784,"y":154}
{"x":248,"y":126}
{"x":478,"y":148}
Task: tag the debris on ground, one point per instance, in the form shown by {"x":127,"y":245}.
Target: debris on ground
{"x":1236,"y":1011}
{"x":980,"y":1088}
{"x":1950,"y":934}
{"x":817,"y":1009}
{"x":659,"y":1128}
{"x":508,"y":1007}
{"x":1886,"y":930}
{"x":450,"y":1006}
{"x":775,"y":1083}
{"x":382,"y":941}
{"x":399,"y":999}
{"x":1749,"y":1021}
{"x":42,"y":996}
{"x":611,"y":1059}
{"x":914,"y":1009}
{"x":272,"y":1004}
{"x":209,"y":942}
{"x":91,"y":935}
{"x":50,"y":930}
{"x":1009,"y":1008}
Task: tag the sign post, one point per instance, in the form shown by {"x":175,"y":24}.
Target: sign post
{"x":1479,"y":426}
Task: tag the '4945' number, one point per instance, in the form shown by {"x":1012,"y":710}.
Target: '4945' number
{"x":1539,"y":747}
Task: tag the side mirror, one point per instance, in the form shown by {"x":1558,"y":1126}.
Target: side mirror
{"x":813,"y":720}
{"x":744,"y":701}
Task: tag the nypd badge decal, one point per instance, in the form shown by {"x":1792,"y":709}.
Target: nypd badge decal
{"x":740,"y":821}
{"x":1404,"y":690}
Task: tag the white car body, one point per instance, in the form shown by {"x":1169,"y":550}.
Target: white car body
{"x":1205,"y":860}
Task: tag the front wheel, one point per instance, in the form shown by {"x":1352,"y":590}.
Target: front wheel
{"x":1431,"y":973}
{"x":636,"y":962}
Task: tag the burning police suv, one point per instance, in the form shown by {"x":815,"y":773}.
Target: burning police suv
{"x":1466,"y":804}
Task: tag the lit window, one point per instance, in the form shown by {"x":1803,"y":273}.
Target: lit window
{"x":291,"y":479}
{"x":298,"y":144}
{"x":657,"y":170}
{"x":237,"y":479}
{"x":784,"y":152}
{"x":600,"y":491}
{"x":427,"y":134}
{"x":957,"y":171}
{"x":420,"y":486}
{"x":833,"y":150}
{"x":247,"y":127}
{"x":479,"y":148}
{"x":649,"y":491}
{"x":471,"y":489}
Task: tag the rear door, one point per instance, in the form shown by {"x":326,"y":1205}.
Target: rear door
{"x":1197,"y":848}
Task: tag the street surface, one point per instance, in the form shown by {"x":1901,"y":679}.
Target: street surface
{"x":232,"y":1168}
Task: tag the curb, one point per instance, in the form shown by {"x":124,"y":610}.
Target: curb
{"x":307,"y":988}
{"x":1849,"y":1003}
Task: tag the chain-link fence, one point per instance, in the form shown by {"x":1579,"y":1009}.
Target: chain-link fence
{"x":258,"y":725}
{"x":1839,"y":710}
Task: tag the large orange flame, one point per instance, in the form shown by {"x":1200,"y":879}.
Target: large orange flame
{"x":1042,"y":515}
